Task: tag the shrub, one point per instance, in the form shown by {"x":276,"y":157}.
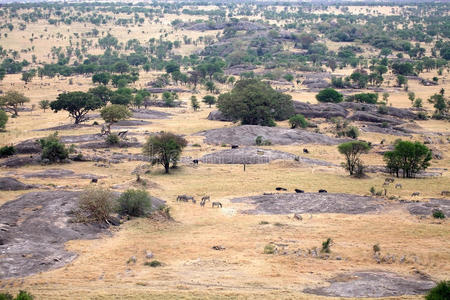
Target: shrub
{"x":329,"y":95}
{"x":269,"y":249}
{"x":327,"y":245}
{"x":112,"y":139}
{"x":22,"y":295}
{"x":3,"y":119}
{"x":153,"y":263}
{"x":440,"y":292}
{"x":96,"y":204}
{"x":135,"y":203}
{"x":376,"y":248}
{"x":422,"y":115}
{"x":371,"y":98}
{"x":7,"y":151}
{"x":298,"y":121}
{"x":382,"y":109}
{"x":53,"y":149}
{"x":352,"y":132}
{"x":258,"y":140}
{"x":372,"y":190}
{"x":438,"y":214}
{"x":263,"y":223}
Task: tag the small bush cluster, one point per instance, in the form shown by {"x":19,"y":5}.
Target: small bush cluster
{"x":52,"y":148}
{"x":326,"y":246}
{"x":440,"y":292}
{"x":438,"y":214}
{"x":6,"y":151}
{"x":112,"y":139}
{"x":153,"y":263}
{"x":96,"y":204}
{"x":22,"y":295}
{"x":269,"y":249}
{"x":260,"y":141}
{"x":134,"y":203}
{"x":298,"y":121}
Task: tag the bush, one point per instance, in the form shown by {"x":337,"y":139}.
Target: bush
{"x":3,"y":120}
{"x":269,"y":249}
{"x":53,"y":149}
{"x":7,"y":151}
{"x":438,"y":214}
{"x":421,"y":115}
{"x":260,"y":141}
{"x":96,"y":204}
{"x":372,"y":190}
{"x":352,"y":132}
{"x":370,"y":98}
{"x":298,"y":121}
{"x":329,"y":95}
{"x":22,"y":295}
{"x":153,"y":263}
{"x":135,"y":203}
{"x":327,"y":245}
{"x":382,"y":109}
{"x":112,"y":139}
{"x":440,"y":292}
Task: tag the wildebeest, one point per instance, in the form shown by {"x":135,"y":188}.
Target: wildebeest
{"x":445,"y":193}
{"x":185,"y":198}
{"x":386,"y":183}
{"x":323,"y":191}
{"x":398,"y":186}
{"x":206,"y":198}
{"x":195,"y":161}
{"x":415,"y":194}
{"x":389,"y":180}
{"x":218,"y":204}
{"x":299,"y":191}
{"x":234,"y":146}
{"x":94,"y":180}
{"x":280,"y":189}
{"x":305,"y":150}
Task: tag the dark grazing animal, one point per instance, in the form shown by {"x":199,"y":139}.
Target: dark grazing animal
{"x":323,"y":191}
{"x":234,"y":146}
{"x":202,"y":203}
{"x":218,"y":204}
{"x":415,"y":194}
{"x":280,"y":189}
{"x":195,"y":161}
{"x":398,"y":186}
{"x":206,"y":198}
{"x":94,"y":180}
{"x":305,"y":150}
{"x":299,"y":191}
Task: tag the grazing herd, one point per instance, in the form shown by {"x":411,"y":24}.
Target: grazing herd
{"x":186,"y":198}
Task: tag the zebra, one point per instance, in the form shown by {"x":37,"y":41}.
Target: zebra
{"x":218,"y":204}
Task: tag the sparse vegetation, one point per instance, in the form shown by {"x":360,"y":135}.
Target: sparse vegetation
{"x":135,"y":203}
{"x":52,"y":149}
{"x":96,"y":204}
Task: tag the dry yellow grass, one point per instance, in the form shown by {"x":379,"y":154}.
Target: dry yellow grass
{"x":192,"y":270}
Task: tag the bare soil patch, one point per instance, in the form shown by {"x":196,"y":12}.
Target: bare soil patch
{"x":310,"y":203}
{"x":252,"y":155}
{"x":247,"y":134}
{"x":373,"y":284}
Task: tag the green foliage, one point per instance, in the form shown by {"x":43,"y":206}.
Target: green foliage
{"x":134,"y":203}
{"x":372,"y":190}
{"x":22,"y":295}
{"x":169,"y":99}
{"x":102,"y":78}
{"x":440,"y":292}
{"x":153,"y":263}
{"x":114,"y":113}
{"x":112,"y":139}
{"x":352,"y":132}
{"x":6,"y":151}
{"x":95,"y":205}
{"x":289,"y":77}
{"x":210,"y":100}
{"x":438,"y":214}
{"x":329,"y":95}
{"x":256,"y":103}
{"x":269,"y":249}
{"x":164,"y":148}
{"x":441,"y":105}
{"x":3,"y":120}
{"x":370,"y":98}
{"x":326,"y":245}
{"x":12,"y":100}
{"x":401,"y":80}
{"x":102,"y":92}
{"x":77,"y":104}
{"x":298,"y":121}
{"x":352,"y":152}
{"x":376,"y":248}
{"x":408,"y":157}
{"x":53,"y":149}
{"x":194,"y":103}
{"x":44,"y":104}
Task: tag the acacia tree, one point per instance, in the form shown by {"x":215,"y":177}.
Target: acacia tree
{"x":194,"y":103}
{"x":12,"y":101}
{"x":210,"y":100}
{"x":408,"y":157}
{"x":44,"y":104}
{"x":77,"y":104}
{"x":352,"y":151}
{"x":165,"y":149}
{"x":255,"y":103}
{"x":114,"y":113}
{"x":329,"y":95}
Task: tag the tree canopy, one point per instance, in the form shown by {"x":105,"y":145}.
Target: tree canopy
{"x":77,"y":104}
{"x":329,"y":95}
{"x":408,"y":157}
{"x":352,"y":151}
{"x":256,"y":103}
{"x":12,"y":101}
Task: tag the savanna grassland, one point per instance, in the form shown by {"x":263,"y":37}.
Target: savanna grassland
{"x":152,"y":58}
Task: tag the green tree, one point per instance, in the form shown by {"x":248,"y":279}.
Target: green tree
{"x":122,"y":96}
{"x":121,"y":67}
{"x":12,"y":101}
{"x":352,"y":152}
{"x":210,"y":86}
{"x":298,"y":121}
{"x":256,"y":103}
{"x":44,"y":104}
{"x":102,"y":92}
{"x":53,"y":149}
{"x":329,"y":95}
{"x":441,"y":291}
{"x":102,"y":78}
{"x":289,"y":77}
{"x":411,"y":96}
{"x":135,"y":203}
{"x":440,"y":103}
{"x":165,"y":149}
{"x":77,"y":104}
{"x":401,"y":80}
{"x":28,"y":76}
{"x":194,"y":103}
{"x":3,"y":120}
{"x":114,"y":113}
{"x":169,"y":99}
{"x":210,"y":100}
{"x":408,"y":157}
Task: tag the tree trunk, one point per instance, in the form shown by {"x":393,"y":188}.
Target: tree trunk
{"x":166,"y":167}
